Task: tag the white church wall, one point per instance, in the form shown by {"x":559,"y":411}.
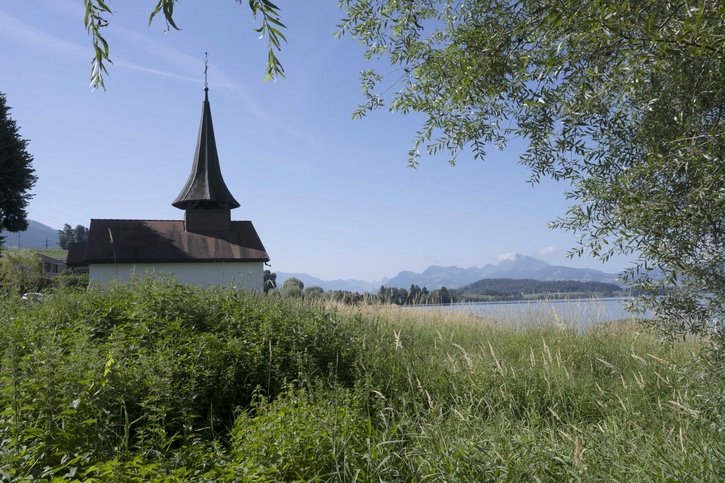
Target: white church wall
{"x":242,"y":275}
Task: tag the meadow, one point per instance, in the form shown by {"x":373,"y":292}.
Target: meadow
{"x":158,"y":382}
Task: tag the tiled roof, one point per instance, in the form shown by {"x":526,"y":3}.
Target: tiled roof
{"x":147,"y":241}
{"x":76,"y":254}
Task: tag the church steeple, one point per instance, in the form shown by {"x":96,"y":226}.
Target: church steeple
{"x":205,"y":189}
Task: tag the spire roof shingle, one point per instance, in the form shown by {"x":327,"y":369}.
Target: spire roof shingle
{"x":205,"y":188}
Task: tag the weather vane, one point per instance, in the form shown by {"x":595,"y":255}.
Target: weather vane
{"x":206,"y":68}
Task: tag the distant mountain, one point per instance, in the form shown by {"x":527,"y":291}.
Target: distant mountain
{"x":34,"y":237}
{"x":436,"y":276}
{"x":516,"y":266}
{"x":310,"y":281}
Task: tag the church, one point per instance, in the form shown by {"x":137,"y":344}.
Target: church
{"x":205,"y":248}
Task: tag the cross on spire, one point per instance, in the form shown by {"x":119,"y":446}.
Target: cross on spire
{"x":206,"y":68}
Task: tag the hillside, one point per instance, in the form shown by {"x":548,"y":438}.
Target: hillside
{"x":37,"y":235}
{"x":512,"y":289}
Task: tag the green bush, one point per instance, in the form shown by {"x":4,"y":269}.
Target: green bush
{"x":145,"y":369}
{"x":301,"y":435}
{"x":70,"y":279}
{"x":155,"y":381}
{"x":21,"y":271}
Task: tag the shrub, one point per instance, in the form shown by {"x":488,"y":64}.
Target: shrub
{"x":155,"y":381}
{"x":147,"y":368}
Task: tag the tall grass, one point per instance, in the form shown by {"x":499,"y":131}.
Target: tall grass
{"x":156,"y":381}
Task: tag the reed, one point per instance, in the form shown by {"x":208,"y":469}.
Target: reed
{"x":159,"y":382}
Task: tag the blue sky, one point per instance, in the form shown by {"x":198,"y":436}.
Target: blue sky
{"x":329,"y":195}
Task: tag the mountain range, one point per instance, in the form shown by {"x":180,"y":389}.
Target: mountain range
{"x":515,"y":266}
{"x":36,"y":236}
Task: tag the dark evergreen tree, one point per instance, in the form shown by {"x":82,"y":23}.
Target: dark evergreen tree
{"x":16,"y":173}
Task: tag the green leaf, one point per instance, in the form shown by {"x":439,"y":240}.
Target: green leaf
{"x":156,"y":10}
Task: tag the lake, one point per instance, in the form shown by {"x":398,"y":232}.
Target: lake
{"x":579,"y":312}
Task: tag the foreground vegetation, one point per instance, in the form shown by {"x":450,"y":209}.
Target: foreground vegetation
{"x":157,"y":381}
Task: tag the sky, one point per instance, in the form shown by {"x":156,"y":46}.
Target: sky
{"x":329,"y":196}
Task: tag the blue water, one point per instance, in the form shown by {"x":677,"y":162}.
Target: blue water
{"x":579,"y":313}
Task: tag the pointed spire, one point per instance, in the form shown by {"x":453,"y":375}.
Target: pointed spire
{"x":205,"y":189}
{"x":206,"y":70}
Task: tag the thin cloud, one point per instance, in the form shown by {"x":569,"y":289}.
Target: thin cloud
{"x":185,"y":68}
{"x":69,"y":8}
{"x":156,"y":72}
{"x":192,"y":68}
{"x":548,"y":251}
{"x":14,"y":29}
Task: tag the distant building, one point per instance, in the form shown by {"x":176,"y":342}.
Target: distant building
{"x":206,"y":248}
{"x":52,"y":267}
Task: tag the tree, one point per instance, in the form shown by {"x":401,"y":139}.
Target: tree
{"x":98,"y":11}
{"x":292,"y":287}
{"x":414,"y":295}
{"x":69,"y":235}
{"x":270,"y":281}
{"x":441,"y":296}
{"x":393,"y":295}
{"x":624,"y":101}
{"x":16,"y":173}
{"x":80,"y":234}
{"x":65,"y":236}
